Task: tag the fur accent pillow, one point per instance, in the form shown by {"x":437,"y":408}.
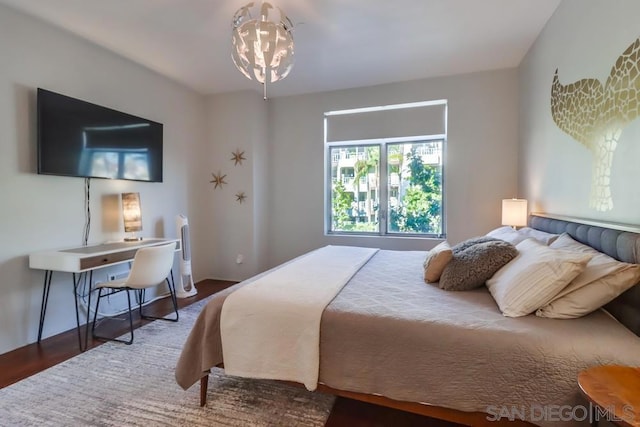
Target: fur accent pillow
{"x":473,"y":241}
{"x":474,"y":264}
{"x":436,"y":261}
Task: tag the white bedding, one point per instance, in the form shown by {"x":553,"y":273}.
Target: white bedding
{"x":389,"y":333}
{"x":271,"y":328}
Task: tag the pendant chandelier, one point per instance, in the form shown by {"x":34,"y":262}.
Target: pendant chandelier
{"x":262,"y":48}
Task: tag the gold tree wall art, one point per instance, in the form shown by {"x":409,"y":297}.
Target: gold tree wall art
{"x":595,"y":115}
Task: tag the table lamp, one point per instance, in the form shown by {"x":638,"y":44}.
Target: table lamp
{"x":514,"y":212}
{"x":131,"y":215}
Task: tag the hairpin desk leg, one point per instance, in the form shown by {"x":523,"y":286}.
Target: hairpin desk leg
{"x":45,"y":300}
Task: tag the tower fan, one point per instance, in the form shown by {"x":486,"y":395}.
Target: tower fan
{"x":185,"y":287}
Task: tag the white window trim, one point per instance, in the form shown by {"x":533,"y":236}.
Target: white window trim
{"x":384,"y":108}
{"x":382,"y":143}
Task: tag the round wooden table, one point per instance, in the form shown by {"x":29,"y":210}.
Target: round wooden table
{"x":615,"y":393}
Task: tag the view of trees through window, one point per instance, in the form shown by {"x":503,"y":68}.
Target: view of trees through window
{"x":409,"y":202}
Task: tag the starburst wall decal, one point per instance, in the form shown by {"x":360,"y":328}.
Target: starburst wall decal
{"x":218,"y":180}
{"x":238,"y":157}
{"x":240,"y":197}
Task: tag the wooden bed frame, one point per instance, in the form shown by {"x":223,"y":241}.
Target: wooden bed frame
{"x":474,"y":419}
{"x":621,"y":241}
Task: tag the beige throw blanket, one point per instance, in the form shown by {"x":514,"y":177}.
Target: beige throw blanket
{"x":271,"y":327}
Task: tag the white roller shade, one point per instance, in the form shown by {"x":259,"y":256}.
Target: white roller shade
{"x":390,"y":123}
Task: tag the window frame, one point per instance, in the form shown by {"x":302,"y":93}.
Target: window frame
{"x":383,"y":188}
{"x":383,"y":196}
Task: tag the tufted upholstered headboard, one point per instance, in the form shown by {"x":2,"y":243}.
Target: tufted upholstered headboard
{"x":614,"y":240}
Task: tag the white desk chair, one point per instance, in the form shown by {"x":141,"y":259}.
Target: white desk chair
{"x":151,"y":266}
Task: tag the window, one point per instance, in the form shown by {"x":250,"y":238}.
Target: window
{"x":351,"y":203}
{"x":415,"y":202}
{"x":385,"y":186}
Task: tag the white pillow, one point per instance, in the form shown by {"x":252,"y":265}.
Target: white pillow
{"x":507,"y":234}
{"x":514,"y":237}
{"x":603,"y":279}
{"x":534,"y":277}
{"x":435,"y":262}
{"x":540,"y":236}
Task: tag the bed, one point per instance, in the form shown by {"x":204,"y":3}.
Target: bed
{"x":389,"y":339}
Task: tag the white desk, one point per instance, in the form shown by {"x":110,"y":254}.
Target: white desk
{"x":82,"y":260}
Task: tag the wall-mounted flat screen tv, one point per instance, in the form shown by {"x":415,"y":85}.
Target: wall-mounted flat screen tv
{"x":77,"y":138}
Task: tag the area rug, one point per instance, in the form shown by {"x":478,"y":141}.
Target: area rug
{"x":121,"y":385}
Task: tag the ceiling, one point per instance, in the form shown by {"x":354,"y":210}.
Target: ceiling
{"x":339,"y":44}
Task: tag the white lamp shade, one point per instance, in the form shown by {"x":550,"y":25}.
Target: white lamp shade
{"x":514,"y":212}
{"x":131,"y":212}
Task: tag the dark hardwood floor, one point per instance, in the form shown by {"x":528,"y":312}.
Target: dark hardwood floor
{"x":31,"y":359}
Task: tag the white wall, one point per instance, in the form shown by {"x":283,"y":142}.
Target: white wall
{"x":480,"y":167}
{"x":582,"y":40}
{"x":237,"y":121}
{"x":40,"y":212}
